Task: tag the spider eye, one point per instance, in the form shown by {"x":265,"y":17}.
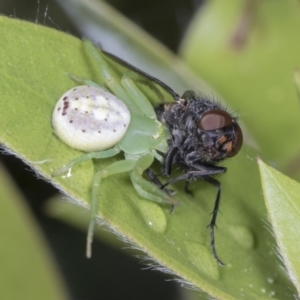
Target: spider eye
{"x":214,"y":119}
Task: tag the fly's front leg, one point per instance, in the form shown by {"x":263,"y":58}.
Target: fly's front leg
{"x":168,"y":161}
{"x":157,"y":182}
{"x":186,"y":188}
{"x":198,"y":173}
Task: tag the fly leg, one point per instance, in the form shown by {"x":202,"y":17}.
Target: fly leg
{"x":186,"y":188}
{"x":213,"y":220}
{"x":153,"y":177}
{"x":204,"y":174}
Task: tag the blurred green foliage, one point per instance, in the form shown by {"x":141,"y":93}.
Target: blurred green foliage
{"x":247,"y":52}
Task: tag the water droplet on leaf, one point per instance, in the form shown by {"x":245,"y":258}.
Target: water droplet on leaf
{"x":153,"y":215}
{"x":243,"y":236}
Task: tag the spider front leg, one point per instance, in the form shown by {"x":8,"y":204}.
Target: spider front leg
{"x":109,"y":80}
{"x":137,"y":96}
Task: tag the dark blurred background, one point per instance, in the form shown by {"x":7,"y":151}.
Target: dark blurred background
{"x":110,"y":274}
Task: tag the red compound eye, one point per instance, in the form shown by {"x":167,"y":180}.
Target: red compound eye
{"x":237,"y":143}
{"x":214,"y":119}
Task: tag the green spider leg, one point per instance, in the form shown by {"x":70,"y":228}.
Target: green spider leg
{"x":143,"y":187}
{"x":88,"y":156}
{"x":142,"y":102}
{"x":157,"y":156}
{"x":109,"y":80}
{"x":86,"y":82}
{"x":114,"y":168}
{"x":138,"y":97}
{"x":143,"y":79}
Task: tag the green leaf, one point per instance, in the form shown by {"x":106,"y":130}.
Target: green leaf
{"x":34,"y":68}
{"x":27,"y":269}
{"x":281,"y":195}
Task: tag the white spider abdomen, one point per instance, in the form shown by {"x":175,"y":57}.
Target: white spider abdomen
{"x":90,"y":119}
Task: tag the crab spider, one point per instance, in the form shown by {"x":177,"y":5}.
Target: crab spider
{"x":140,"y":136}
